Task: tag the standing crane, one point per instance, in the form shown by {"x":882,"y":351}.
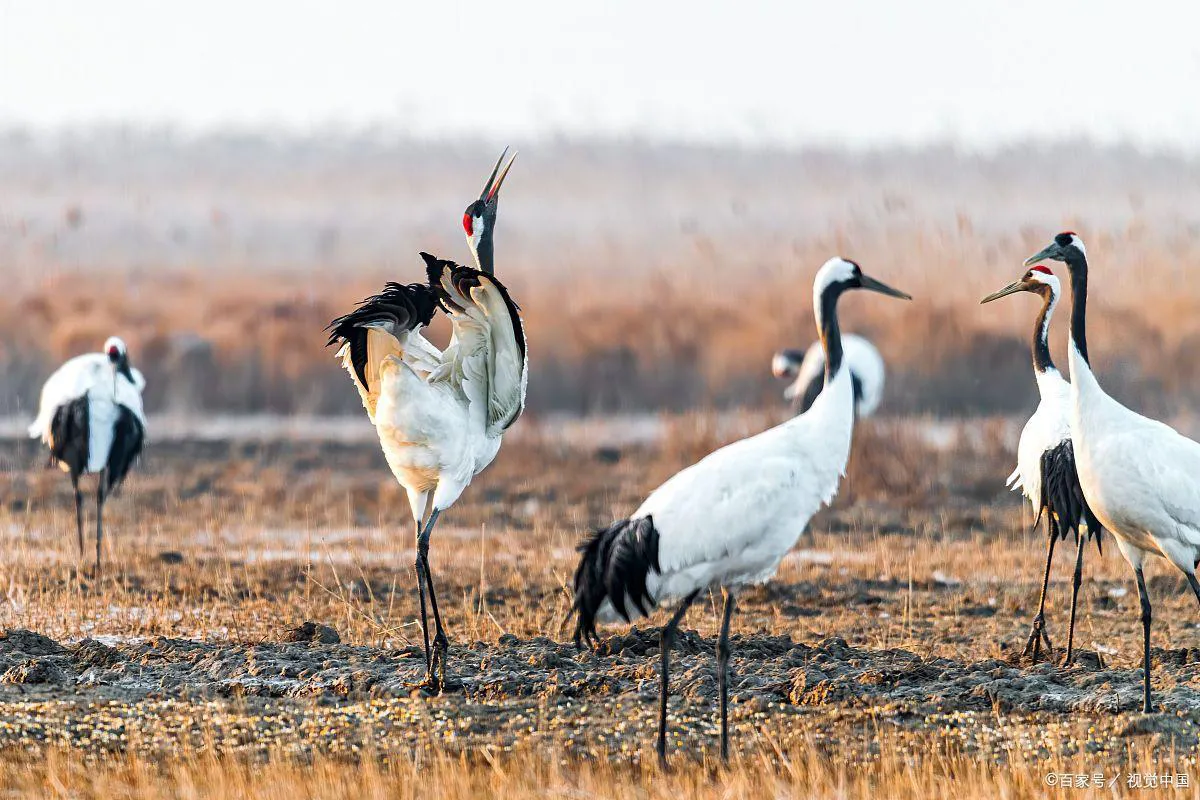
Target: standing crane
{"x":1046,"y":458}
{"x":440,"y":414}
{"x":806,"y":369}
{"x":729,"y":519}
{"x":90,"y":416}
{"x":1139,"y":476}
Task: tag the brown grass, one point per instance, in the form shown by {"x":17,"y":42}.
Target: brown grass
{"x":244,"y":343}
{"x":274,"y":532}
{"x":803,"y":772}
{"x":668,"y":287}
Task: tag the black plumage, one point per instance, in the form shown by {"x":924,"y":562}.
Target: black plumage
{"x":614,"y":565}
{"x":401,"y":307}
{"x":69,"y":436}
{"x":70,"y":446}
{"x":128,"y":437}
{"x":1062,"y":497}
{"x":464,"y":279}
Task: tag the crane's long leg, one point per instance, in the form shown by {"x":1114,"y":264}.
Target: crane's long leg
{"x":1195,"y":584}
{"x":440,"y":643}
{"x":78,"y":514}
{"x":99,"y":517}
{"x":1076,"y":580}
{"x":1034,"y":644}
{"x":723,"y":670}
{"x":665,"y":643}
{"x":1145,"y":598}
{"x":421,"y":593}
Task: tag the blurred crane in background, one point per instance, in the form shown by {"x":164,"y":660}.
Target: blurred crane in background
{"x":806,"y":370}
{"x":90,"y":416}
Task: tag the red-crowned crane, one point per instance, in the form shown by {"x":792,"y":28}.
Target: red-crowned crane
{"x":1046,"y":458}
{"x":440,"y":414}
{"x":91,"y":418}
{"x":728,"y":520}
{"x":806,"y":370}
{"x":1140,"y":477}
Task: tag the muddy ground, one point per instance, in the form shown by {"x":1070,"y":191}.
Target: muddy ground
{"x":897,"y":621}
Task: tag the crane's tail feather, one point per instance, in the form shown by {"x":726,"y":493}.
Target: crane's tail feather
{"x":1062,"y":495}
{"x":614,"y":565}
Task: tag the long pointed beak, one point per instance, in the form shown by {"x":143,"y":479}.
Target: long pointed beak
{"x":1053,"y":252}
{"x":496,"y":179}
{"x":1012,"y":288}
{"x":867,"y":282}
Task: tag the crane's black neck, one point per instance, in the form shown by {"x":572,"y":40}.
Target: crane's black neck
{"x":1077,"y":266}
{"x":1041,"y":332}
{"x":484,"y":252}
{"x":829,"y":330}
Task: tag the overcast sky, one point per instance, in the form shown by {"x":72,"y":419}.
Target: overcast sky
{"x":874,"y":71}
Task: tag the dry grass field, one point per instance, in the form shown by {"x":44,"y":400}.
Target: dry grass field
{"x":882,"y":661}
{"x":253,"y":633}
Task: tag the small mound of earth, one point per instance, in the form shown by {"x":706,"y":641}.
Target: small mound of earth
{"x":312,"y":633}
{"x":34,"y":671}
{"x":30,"y":643}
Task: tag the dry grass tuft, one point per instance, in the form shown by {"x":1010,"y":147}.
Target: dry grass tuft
{"x":799,"y":772}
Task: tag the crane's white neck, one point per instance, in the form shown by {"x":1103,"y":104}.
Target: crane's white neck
{"x":832,"y":279}
{"x":1042,"y":362}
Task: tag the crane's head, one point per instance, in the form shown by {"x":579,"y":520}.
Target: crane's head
{"x":479,"y":220}
{"x":1038,"y":279}
{"x":840,"y":274}
{"x":1066,"y":247}
{"x":118,"y":356}
{"x":786,"y":363}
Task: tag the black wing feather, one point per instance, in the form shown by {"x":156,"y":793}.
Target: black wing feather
{"x":128,"y":437}
{"x":69,"y":435}
{"x":1062,"y":495}
{"x":464,"y":279}
{"x":405,"y":306}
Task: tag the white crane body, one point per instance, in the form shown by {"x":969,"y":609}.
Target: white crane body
{"x":90,"y":375}
{"x":1141,"y":477}
{"x":1046,"y":465}
{"x":729,"y":519}
{"x":1049,"y":427}
{"x":440,"y":414}
{"x":90,"y":416}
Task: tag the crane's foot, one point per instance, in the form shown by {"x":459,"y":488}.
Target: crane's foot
{"x":429,"y":685}
{"x":1037,"y":635}
{"x":434,"y":682}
